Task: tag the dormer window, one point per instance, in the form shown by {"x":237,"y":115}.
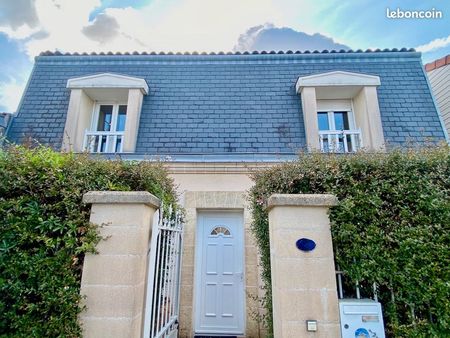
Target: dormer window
{"x":341,"y":112}
{"x":104,"y":113}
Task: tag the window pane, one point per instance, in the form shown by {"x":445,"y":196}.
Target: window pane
{"x":326,"y":144}
{"x":118,"y":144}
{"x":103,"y":140}
{"x":340,"y":144}
{"x":121,"y":117}
{"x":323,"y":121}
{"x":104,"y":118}
{"x":220,"y":230}
{"x":341,"y":120}
{"x":93,"y":144}
{"x":350,"y":143}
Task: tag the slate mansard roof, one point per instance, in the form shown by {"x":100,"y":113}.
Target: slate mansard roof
{"x":229,"y":104}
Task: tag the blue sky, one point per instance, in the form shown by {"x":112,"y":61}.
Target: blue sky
{"x":28,"y":27}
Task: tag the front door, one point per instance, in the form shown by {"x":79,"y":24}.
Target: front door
{"x":219,"y":281}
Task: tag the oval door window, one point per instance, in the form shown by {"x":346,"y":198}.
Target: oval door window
{"x":220,"y":230}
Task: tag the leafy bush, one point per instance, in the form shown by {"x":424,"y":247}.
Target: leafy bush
{"x":45,"y":232}
{"x":391,"y":227}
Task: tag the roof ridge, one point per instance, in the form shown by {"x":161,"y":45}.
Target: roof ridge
{"x":438,"y":63}
{"x":325,"y":51}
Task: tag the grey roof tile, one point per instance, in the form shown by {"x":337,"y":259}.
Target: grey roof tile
{"x":222,"y":104}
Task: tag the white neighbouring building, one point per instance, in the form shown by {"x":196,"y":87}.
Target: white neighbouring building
{"x":438,"y":72}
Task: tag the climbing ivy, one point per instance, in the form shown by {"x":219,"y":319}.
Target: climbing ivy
{"x":391,"y":228}
{"x":45,"y":232}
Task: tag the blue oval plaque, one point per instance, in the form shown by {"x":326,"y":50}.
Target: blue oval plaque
{"x":305,"y":244}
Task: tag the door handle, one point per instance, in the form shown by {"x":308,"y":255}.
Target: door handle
{"x":240,"y":276}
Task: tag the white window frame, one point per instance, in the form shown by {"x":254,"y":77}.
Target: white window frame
{"x":111,"y":136}
{"x":94,"y":120}
{"x":331,"y":122}
{"x":333,"y":134}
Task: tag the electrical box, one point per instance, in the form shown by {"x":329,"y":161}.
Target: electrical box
{"x":361,"y":318}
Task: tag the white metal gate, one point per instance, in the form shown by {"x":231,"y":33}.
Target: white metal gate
{"x":164,"y":268}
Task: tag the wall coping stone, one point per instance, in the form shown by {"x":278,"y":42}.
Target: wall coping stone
{"x":310,"y":200}
{"x":121,"y":197}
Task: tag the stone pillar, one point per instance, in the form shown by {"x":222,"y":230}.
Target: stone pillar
{"x":303,"y":283}
{"x":114,"y":280}
{"x":374,"y":118}
{"x":134,"y":107}
{"x":368,"y":118}
{"x":309,"y":107}
{"x":79,"y":114}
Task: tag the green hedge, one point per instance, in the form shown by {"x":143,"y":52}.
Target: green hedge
{"x":45,"y":232}
{"x":391,"y":227}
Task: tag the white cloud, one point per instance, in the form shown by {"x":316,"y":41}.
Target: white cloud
{"x":168,"y":25}
{"x":10,"y":94}
{"x":162,"y":25}
{"x":248,"y":39}
{"x":104,"y":28}
{"x":22,"y":32}
{"x":268,"y":37}
{"x":434,"y":44}
{"x":18,"y":18}
{"x":59,"y":25}
{"x":63,"y":20}
{"x":193,"y":25}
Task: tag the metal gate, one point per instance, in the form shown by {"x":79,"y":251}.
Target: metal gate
{"x":164,"y":267}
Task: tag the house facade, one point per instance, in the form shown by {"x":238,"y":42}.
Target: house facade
{"x":213,"y":118}
{"x":438,"y":73}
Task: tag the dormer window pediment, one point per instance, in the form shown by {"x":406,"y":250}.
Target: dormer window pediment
{"x":108,"y":81}
{"x":337,"y":79}
{"x":337,"y":84}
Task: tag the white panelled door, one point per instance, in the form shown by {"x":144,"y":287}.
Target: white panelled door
{"x":219,"y":306}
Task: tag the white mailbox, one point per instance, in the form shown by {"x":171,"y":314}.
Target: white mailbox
{"x":361,"y":318}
